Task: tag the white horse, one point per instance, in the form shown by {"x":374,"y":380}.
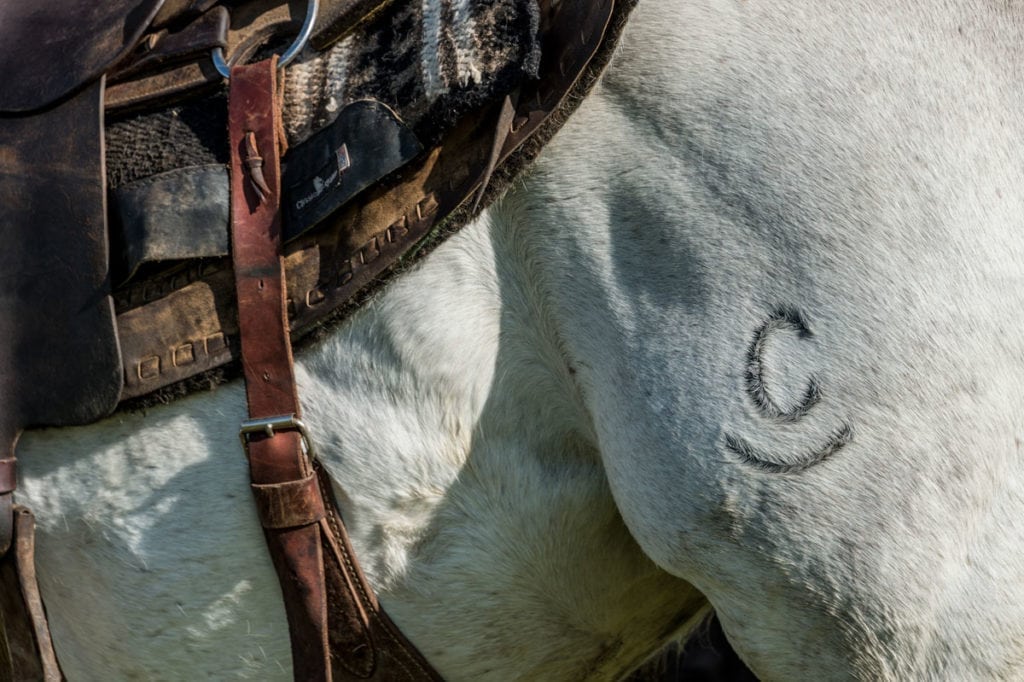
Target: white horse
{"x":750,"y":335}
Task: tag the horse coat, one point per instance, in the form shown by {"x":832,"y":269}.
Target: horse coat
{"x":781,"y":375}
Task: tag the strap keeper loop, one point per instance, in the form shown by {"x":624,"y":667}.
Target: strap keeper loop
{"x":289,"y":505}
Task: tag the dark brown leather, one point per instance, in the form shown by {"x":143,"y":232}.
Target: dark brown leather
{"x":8,"y":474}
{"x":254,"y":113}
{"x":502,"y":130}
{"x":54,"y":264}
{"x":254,"y":120}
{"x":7,"y":517}
{"x":192,"y":77}
{"x":285,"y":505}
{"x":180,"y":11}
{"x":8,"y":483}
{"x":365,"y":643}
{"x":312,"y":568}
{"x":142,"y":81}
{"x":26,"y":649}
{"x":6,"y":521}
{"x":54,"y":261}
{"x":573,"y":31}
{"x":50,"y":50}
{"x":198,"y":38}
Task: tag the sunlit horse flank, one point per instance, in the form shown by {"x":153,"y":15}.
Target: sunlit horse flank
{"x":749,"y":333}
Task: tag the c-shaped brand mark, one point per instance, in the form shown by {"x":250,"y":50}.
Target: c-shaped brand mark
{"x":783,"y":319}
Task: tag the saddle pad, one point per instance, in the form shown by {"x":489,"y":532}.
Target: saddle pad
{"x":431,"y":61}
{"x":176,"y":322}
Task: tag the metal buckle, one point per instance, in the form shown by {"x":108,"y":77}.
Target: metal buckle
{"x":272,"y":425}
{"x":312,"y":7}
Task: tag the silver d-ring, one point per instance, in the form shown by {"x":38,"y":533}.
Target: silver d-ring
{"x":300,"y":42}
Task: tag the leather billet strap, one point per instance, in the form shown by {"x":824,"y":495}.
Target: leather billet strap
{"x":337,"y":631}
{"x":26,"y":650}
{"x":254,"y":119}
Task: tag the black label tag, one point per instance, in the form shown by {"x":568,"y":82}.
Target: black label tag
{"x":364,"y":144}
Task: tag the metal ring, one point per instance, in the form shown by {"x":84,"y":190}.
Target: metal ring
{"x":291,"y":53}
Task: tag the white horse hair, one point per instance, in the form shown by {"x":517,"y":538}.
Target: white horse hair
{"x":750,"y":335}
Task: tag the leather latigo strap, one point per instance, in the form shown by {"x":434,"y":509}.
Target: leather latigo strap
{"x":338,"y":631}
{"x":275,"y":460}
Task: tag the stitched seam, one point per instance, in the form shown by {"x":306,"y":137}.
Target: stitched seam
{"x":333,"y":523}
{"x":341,"y":660}
{"x":367,"y":603}
{"x":371,"y":612}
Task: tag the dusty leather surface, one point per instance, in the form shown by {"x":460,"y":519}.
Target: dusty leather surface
{"x":8,"y":482}
{"x":60,"y":361}
{"x":254,"y":109}
{"x":54,"y":268}
{"x":338,"y":17}
{"x":172,"y":216}
{"x":184,"y":50}
{"x":288,"y":504}
{"x":52,"y":49}
{"x":196,"y":38}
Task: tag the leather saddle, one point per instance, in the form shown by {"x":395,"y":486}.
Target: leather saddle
{"x":79,"y":336}
{"x":60,"y":363}
{"x":74,"y":346}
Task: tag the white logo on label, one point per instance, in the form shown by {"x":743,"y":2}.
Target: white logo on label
{"x":320,"y":184}
{"x":341,"y":154}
